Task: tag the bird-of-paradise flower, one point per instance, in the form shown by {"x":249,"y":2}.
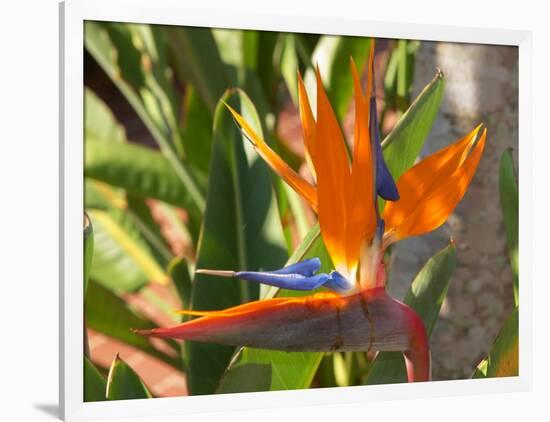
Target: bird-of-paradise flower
{"x":358,"y":315}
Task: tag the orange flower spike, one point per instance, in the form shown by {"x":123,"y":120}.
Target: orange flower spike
{"x":333,"y":179}
{"x":308,"y":125}
{"x":306,"y":190}
{"x":361,"y":222}
{"x":432,"y":189}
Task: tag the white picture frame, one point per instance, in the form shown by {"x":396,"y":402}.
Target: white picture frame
{"x":73,"y":13}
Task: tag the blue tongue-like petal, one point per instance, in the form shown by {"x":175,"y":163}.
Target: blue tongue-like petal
{"x":285,"y":281}
{"x":306,"y":268}
{"x":385,"y":185}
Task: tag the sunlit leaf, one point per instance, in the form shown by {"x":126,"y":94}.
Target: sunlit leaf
{"x":509,"y":200}
{"x":404,"y":143}
{"x":124,"y":384}
{"x":503,"y":361}
{"x":122,"y":260}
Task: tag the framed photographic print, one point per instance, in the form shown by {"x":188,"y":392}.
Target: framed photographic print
{"x":294,"y":210}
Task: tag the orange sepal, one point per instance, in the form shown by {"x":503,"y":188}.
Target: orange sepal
{"x":432,"y":189}
{"x":333,"y":179}
{"x":361,"y":220}
{"x":306,"y":190}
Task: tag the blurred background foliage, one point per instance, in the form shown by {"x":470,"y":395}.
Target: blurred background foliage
{"x":170,"y":185}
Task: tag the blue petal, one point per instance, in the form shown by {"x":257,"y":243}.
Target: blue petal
{"x":385,"y":185}
{"x":305,"y":268}
{"x":285,"y":281}
{"x":338,"y":283}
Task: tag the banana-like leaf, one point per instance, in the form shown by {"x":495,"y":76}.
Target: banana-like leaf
{"x":332,"y":54}
{"x":289,"y":65}
{"x":425,"y":296}
{"x":139,"y":170}
{"x":261,"y":370}
{"x":94,"y":383}
{"x":404,"y":143}
{"x":197,"y":60}
{"x":503,"y":361}
{"x":197,"y":129}
{"x":123,"y":261}
{"x":99,"y":121}
{"x":133,"y":57}
{"x":241,"y":230}
{"x":509,"y":200}
{"x":124,"y":384}
{"x":110,"y":315}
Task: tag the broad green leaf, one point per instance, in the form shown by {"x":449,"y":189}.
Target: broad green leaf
{"x":94,"y":383}
{"x":132,"y":56}
{"x":241,"y":230}
{"x":179,"y":272}
{"x":509,"y":201}
{"x":139,"y":170}
{"x":288,"y":371}
{"x":122,"y":260}
{"x":88,"y":249}
{"x":108,"y":314}
{"x":197,"y":129}
{"x":99,"y":121}
{"x":332,"y":55}
{"x":289,"y":65}
{"x":124,"y":384}
{"x":404,"y":143}
{"x":102,"y":195}
{"x":266,"y":69}
{"x":425,"y":297}
{"x":197,"y":60}
{"x":503,"y":361}
{"x":237,"y":47}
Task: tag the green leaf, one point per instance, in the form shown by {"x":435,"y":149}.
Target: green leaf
{"x":404,"y":143}
{"x":425,"y":297}
{"x":88,"y":249}
{"x":137,"y":169}
{"x":124,"y":384}
{"x":289,"y":371}
{"x":197,"y":130}
{"x":179,"y":272}
{"x":289,"y":65}
{"x":241,"y":230}
{"x":503,"y":361}
{"x":197,"y":60}
{"x":133,"y":57}
{"x":108,"y":314}
{"x":99,"y":121}
{"x":332,"y":55}
{"x":509,"y":201}
{"x":94,"y":383}
{"x":123,"y":261}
